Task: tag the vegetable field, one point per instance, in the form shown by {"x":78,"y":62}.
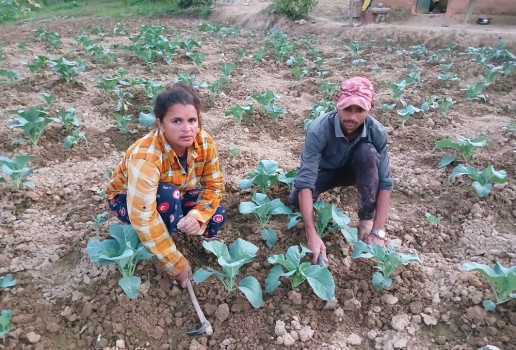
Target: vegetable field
{"x":75,"y":93}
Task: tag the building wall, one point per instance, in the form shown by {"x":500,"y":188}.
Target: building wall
{"x":485,"y":7}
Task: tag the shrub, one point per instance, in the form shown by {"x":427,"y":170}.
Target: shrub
{"x":295,"y":9}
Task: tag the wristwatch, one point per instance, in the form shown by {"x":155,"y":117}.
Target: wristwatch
{"x":379,"y":233}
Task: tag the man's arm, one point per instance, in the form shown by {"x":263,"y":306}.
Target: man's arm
{"x":314,"y":242}
{"x":383,"y":200}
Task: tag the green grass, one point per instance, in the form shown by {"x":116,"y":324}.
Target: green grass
{"x":115,"y":9}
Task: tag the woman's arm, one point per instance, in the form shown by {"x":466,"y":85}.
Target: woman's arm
{"x":212,"y":185}
{"x":142,"y":185}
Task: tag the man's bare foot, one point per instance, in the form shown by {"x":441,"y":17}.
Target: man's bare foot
{"x":364,"y":228}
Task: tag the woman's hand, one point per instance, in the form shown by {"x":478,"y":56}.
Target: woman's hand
{"x":184,"y":276}
{"x":189,"y":225}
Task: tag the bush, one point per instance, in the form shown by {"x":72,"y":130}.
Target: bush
{"x":295,"y":9}
{"x":194,"y":3}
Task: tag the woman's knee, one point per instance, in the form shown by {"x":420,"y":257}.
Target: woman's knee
{"x":167,"y":192}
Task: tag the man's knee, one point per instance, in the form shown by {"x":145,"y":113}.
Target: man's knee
{"x":365,"y":155}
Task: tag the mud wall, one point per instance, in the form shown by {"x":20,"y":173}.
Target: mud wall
{"x":485,"y":7}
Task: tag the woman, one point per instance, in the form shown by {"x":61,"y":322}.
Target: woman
{"x":170,"y":181}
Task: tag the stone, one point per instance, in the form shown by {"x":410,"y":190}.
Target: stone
{"x":195,"y":345}
{"x":53,"y":327}
{"x":210,"y":309}
{"x":222,"y":312}
{"x":372,"y":334}
{"x":120,"y":344}
{"x":157,"y":333}
{"x":33,"y":338}
{"x":288,"y":340}
{"x":489,"y":347}
{"x":389,"y":299}
{"x":399,"y":342}
{"x":399,"y":322}
{"x":295,"y":297}
{"x":306,"y":333}
{"x":476,"y":313}
{"x":339,"y":312}
{"x":428,"y":319}
{"x":354,"y":339}
{"x":226,"y":342}
{"x":280,"y":329}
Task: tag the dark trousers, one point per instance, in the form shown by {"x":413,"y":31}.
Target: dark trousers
{"x":171,"y":208}
{"x":361,"y":170}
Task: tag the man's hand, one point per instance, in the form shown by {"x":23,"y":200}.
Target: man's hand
{"x":373,"y":239}
{"x":184,"y":276}
{"x":188,"y":225}
{"x":316,"y":245}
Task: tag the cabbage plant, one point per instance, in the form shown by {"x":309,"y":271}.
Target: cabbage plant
{"x":482,"y":179}
{"x":463,"y":146}
{"x":388,"y":261}
{"x":32,"y":121}
{"x":264,"y":176}
{"x":124,"y":250}
{"x":263,"y":208}
{"x":501,"y":279}
{"x":241,"y":252}
{"x":17,"y":170}
{"x":5,"y":323}
{"x":318,"y":277}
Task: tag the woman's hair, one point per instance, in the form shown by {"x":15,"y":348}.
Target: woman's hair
{"x":177,"y":93}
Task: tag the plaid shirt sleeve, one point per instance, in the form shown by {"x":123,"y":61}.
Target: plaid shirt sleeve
{"x":142,"y":185}
{"x":212,"y":184}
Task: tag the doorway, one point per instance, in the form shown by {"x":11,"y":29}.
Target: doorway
{"x":431,"y":6}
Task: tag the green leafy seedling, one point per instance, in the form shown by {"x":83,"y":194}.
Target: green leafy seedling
{"x":287,"y":177}
{"x":464,"y":146}
{"x":68,"y":118}
{"x":388,"y":261}
{"x":10,"y":75}
{"x":38,"y":62}
{"x":501,"y":279}
{"x":66,"y":69}
{"x":75,"y":138}
{"x":32,"y":121}
{"x":274,"y":112}
{"x":227,"y":69}
{"x":265,"y":98}
{"x":328,"y":214}
{"x":482,"y":180}
{"x":318,"y":110}
{"x":446,"y":104}
{"x":99,"y":220}
{"x":7,"y":281}
{"x":318,"y":277}
{"x":17,"y":170}
{"x":235,"y":151}
{"x":124,"y":250}
{"x":239,"y":111}
{"x":264,"y":176}
{"x":122,"y":121}
{"x":197,"y":57}
{"x":263,"y":208}
{"x":433,"y":220}
{"x":474,"y":92}
{"x":329,"y":89}
{"x":407,"y":112}
{"x":241,"y":252}
{"x":5,"y":323}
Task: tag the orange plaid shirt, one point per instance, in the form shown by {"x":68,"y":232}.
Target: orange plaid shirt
{"x":150,"y":161}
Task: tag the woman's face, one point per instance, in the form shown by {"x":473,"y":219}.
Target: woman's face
{"x":180,"y":126}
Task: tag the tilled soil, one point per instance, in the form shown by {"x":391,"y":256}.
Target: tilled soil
{"x":64,"y":301}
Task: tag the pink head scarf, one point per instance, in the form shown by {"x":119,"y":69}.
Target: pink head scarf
{"x":355,"y":91}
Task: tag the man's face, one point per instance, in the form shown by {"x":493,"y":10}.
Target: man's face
{"x":351,"y":118}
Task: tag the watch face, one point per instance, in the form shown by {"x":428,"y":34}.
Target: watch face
{"x":381,"y":234}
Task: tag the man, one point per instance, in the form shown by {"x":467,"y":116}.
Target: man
{"x":343,"y":148}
